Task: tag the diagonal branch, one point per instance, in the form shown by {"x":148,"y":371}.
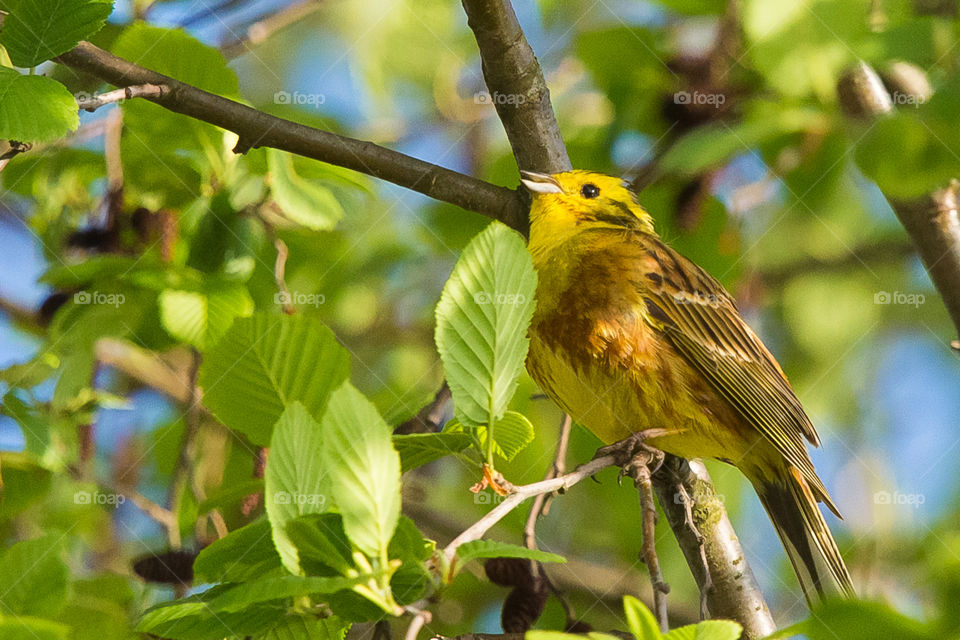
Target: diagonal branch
{"x":258,"y":129}
{"x":517,"y":88}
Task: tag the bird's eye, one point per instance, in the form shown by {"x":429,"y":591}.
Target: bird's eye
{"x":589,"y":190}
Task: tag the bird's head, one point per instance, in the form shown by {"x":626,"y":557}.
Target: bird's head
{"x":567,"y":203}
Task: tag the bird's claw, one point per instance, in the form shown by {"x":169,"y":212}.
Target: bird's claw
{"x":633,"y":453}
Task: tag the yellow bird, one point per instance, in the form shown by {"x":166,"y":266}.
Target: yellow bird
{"x":628,"y":335}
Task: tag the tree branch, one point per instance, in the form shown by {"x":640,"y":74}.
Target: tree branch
{"x":711,"y":547}
{"x":933,"y":221}
{"x":258,"y":129}
{"x":517,"y":88}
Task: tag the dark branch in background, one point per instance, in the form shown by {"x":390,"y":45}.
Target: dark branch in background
{"x":517,"y":88}
{"x":932,"y":222}
{"x":258,"y":129}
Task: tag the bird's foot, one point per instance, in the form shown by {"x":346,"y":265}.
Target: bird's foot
{"x":633,"y":453}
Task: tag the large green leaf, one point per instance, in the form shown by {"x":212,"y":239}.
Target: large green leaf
{"x":34,"y":108}
{"x":33,"y":577}
{"x":255,"y":592}
{"x":303,"y":201}
{"x":320,"y":538}
{"x":307,"y":628}
{"x":513,"y":433}
{"x":200,"y":318}
{"x":243,"y":554}
{"x":364,"y":470}
{"x":39,"y":30}
{"x":482,"y":321}
{"x":492,"y":549}
{"x":417,"y":449}
{"x":265,"y":362}
{"x":296,"y":481}
{"x":861,"y":620}
{"x":706,"y":630}
{"x":193,"y":619}
{"x":640,"y":620}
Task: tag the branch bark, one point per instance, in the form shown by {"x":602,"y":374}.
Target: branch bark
{"x":932,"y":222}
{"x":517,"y":88}
{"x":258,"y":129}
{"x":715,"y":556}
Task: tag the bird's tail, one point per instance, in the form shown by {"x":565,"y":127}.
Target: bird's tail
{"x":813,"y":552}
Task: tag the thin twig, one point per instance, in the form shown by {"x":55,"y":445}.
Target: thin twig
{"x":541,"y":504}
{"x":420,"y":618}
{"x":92,"y":103}
{"x":648,"y":510}
{"x":521,"y":493}
{"x":181,"y":469}
{"x":266,"y":27}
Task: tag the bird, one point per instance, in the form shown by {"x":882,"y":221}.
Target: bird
{"x":628,"y":336}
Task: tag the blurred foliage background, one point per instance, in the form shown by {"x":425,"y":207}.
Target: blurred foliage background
{"x":726,"y":116}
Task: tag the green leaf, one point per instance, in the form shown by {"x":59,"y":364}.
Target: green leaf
{"x":30,"y":628}
{"x":364,"y":469}
{"x":320,"y":538}
{"x":307,"y":628}
{"x":241,"y":555}
{"x":34,"y":108}
{"x":640,"y":620}
{"x":304,"y":202}
{"x":265,"y":362}
{"x":706,"y":630}
{"x":264,"y":590}
{"x":39,"y":30}
{"x":512,"y":434}
{"x":296,"y":481}
{"x":200,"y":318}
{"x":33,"y":577}
{"x":857,"y":619}
{"x":482,"y":321}
{"x":179,"y":55}
{"x":193,"y":619}
{"x":418,"y":449}
{"x":492,"y":549}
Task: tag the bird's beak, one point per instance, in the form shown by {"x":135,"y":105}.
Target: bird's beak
{"x":540,"y":182}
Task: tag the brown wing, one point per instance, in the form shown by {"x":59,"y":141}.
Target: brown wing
{"x":701,"y":321}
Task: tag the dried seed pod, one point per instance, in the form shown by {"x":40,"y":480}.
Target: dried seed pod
{"x":167,"y":567}
{"x":510,"y":572}
{"x":522,"y":608}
